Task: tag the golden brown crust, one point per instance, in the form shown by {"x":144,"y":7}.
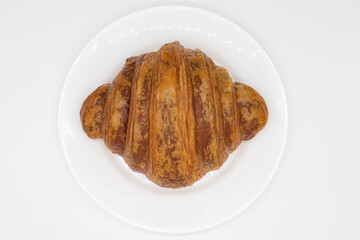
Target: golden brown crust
{"x":137,"y":135}
{"x":167,"y":144}
{"x":91,"y":113}
{"x":173,"y":115}
{"x":117,"y":108}
{"x":232,"y":133}
{"x":253,"y":110}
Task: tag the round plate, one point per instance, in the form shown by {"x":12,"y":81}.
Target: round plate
{"x":221,"y":194}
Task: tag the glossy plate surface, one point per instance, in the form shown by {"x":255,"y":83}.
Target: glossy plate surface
{"x":221,"y":194}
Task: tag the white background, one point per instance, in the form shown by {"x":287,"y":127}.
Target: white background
{"x":315,"y":193}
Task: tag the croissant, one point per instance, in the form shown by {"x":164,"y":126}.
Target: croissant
{"x":173,"y":115}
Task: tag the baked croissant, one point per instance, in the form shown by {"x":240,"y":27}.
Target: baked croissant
{"x":173,"y":115}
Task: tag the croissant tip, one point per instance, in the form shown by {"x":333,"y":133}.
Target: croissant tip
{"x":91,"y":113}
{"x":253,"y":110}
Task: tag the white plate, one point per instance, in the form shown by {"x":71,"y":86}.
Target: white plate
{"x":221,"y":194}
